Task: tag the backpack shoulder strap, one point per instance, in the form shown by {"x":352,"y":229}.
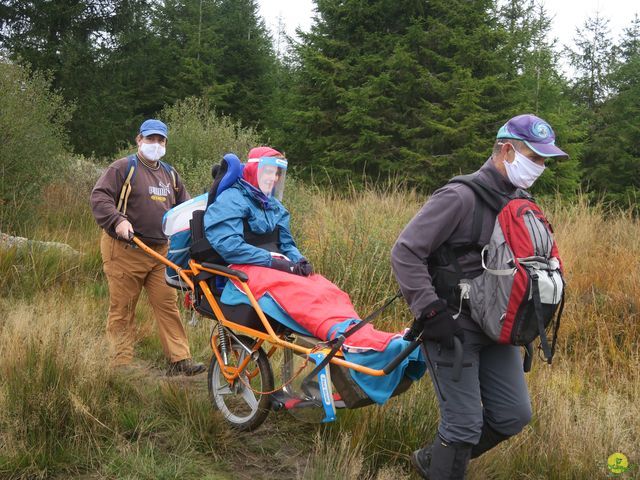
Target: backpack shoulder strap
{"x":171,"y":171}
{"x":491,"y":197}
{"x":126,"y":186}
{"x":478,"y":213}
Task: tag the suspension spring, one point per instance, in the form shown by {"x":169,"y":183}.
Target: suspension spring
{"x":224,"y":344}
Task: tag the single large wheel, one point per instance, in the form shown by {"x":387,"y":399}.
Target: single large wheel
{"x":241,"y":406}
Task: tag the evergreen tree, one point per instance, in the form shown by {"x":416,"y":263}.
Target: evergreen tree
{"x":247,"y":65}
{"x":612,"y":158}
{"x":592,"y":61}
{"x":86,"y":45}
{"x":120,"y":61}
{"x":189,"y":34}
{"x":388,"y":87}
{"x":538,"y":86}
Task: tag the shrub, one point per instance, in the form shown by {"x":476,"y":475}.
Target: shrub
{"x":32,"y":120}
{"x":198,"y":138}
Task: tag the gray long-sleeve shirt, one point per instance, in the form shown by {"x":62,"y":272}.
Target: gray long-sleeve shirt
{"x":447,"y":217}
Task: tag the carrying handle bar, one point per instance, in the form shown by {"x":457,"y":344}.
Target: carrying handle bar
{"x":457,"y":362}
{"x":332,"y":353}
{"x":401,"y":356}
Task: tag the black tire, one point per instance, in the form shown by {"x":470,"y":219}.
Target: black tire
{"x":242,"y":408}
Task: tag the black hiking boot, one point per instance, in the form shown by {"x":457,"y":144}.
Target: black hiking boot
{"x":421,"y":461}
{"x":449,"y":460}
{"x":185,"y":367}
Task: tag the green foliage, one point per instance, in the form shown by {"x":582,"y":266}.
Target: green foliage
{"x":592,"y":60}
{"x":612,"y":156}
{"x":32,"y":122}
{"x":198,"y":138}
{"x":538,"y":87}
{"x":400,"y":88}
{"x":376,"y":89}
{"x":123,"y":61}
{"x":247,"y":63}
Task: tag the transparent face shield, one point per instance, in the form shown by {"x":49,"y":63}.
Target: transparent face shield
{"x":271,"y":176}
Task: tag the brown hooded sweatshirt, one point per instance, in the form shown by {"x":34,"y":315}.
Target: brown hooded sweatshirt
{"x":152,"y":194}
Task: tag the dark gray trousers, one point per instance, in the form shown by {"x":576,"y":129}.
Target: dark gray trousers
{"x":492,"y":389}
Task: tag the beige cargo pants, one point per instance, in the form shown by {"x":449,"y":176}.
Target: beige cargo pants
{"x":128,"y":269}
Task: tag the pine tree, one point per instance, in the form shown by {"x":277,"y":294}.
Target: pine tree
{"x":592,"y":60}
{"x":398,"y":87}
{"x":247,"y":65}
{"x":538,"y":87}
{"x":101,"y":58}
{"x":612,"y":158}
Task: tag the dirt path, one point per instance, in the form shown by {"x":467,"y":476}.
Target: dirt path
{"x":280,"y":448}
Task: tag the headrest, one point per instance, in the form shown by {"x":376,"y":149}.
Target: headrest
{"x":224,"y":175}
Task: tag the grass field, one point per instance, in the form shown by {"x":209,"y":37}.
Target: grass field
{"x":65,"y":414}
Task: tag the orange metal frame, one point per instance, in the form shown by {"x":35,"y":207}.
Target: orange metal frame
{"x":231,"y":373}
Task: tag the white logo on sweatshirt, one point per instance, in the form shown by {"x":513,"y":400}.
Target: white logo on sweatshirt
{"x":161,"y":191}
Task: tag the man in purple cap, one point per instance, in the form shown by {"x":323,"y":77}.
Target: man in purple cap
{"x":440,"y":246}
{"x":133,"y":194}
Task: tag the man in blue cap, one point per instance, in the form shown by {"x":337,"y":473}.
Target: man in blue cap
{"x":490,"y":402}
{"x":133,"y":194}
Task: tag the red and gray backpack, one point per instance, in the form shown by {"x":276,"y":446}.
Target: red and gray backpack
{"x":521,"y":288}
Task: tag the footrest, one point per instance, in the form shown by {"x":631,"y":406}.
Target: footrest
{"x":325,"y":387}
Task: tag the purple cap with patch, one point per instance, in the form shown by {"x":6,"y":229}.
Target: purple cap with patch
{"x":534,"y":132}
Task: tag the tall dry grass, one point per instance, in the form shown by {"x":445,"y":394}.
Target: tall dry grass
{"x":585,"y":405}
{"x":63,"y":412}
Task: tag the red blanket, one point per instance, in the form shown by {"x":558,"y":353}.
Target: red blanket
{"x":314,"y":303}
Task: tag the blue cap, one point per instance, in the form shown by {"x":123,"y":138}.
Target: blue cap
{"x":534,"y":132}
{"x":153,"y":127}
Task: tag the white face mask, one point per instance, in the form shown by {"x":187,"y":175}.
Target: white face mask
{"x":152,"y":151}
{"x":522,"y":172}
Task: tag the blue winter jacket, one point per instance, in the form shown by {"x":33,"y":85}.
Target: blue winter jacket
{"x":223,"y":225}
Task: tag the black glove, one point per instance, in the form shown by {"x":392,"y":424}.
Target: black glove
{"x":437,"y":324}
{"x":282,"y":264}
{"x":303,"y":267}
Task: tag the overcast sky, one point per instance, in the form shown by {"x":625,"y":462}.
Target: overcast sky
{"x":567,"y":15}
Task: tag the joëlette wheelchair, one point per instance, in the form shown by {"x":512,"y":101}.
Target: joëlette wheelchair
{"x":245,"y":340}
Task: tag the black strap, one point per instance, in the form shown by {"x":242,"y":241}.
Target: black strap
{"x":371,"y":316}
{"x":556,"y":327}
{"x":490,"y":197}
{"x":528,"y":357}
{"x":334,"y":350}
{"x":493,"y":198}
{"x":537,"y":304}
{"x":202,"y":276}
{"x":476,"y":227}
{"x":337,"y":342}
{"x":269,"y":241}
